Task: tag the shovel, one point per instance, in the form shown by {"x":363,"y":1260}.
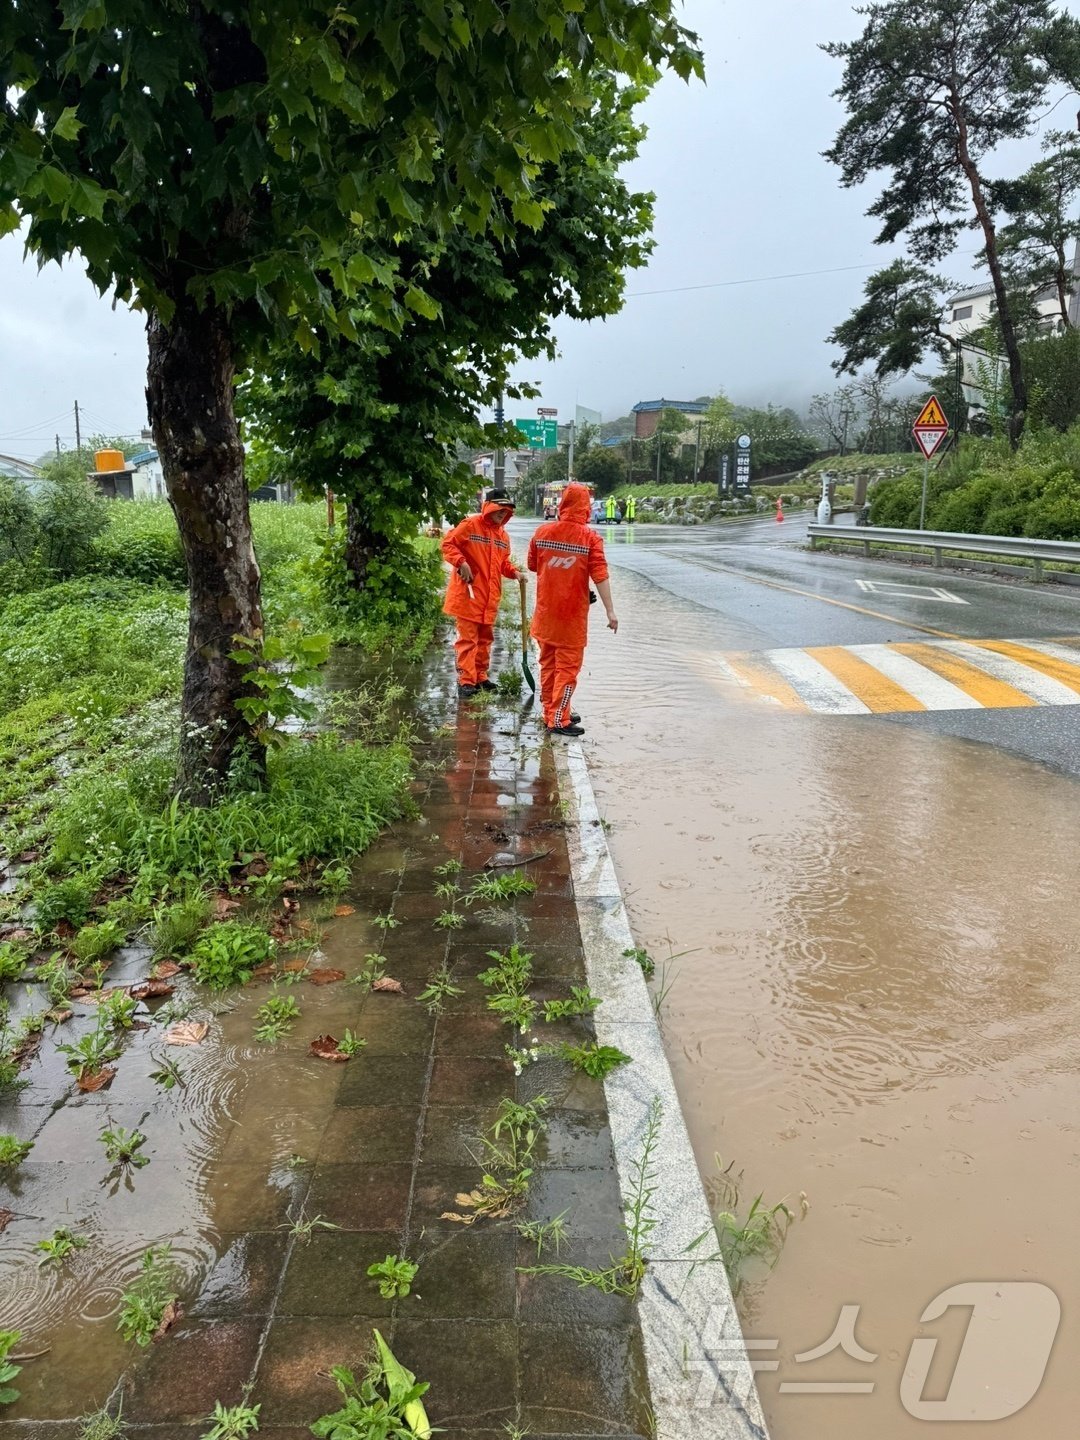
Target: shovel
{"x":525,"y":639}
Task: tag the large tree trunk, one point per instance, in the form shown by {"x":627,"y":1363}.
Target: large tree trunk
{"x":190,"y":403}
{"x":362,"y":546}
{"x":1018,"y":414}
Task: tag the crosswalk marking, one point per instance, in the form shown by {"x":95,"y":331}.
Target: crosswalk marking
{"x":910,"y":676}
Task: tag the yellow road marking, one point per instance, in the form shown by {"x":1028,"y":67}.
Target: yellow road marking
{"x":1057,"y":669}
{"x":994,"y":694}
{"x":765,"y":681}
{"x":875,"y":690}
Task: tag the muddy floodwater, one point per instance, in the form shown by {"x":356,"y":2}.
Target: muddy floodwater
{"x":881,"y":1009}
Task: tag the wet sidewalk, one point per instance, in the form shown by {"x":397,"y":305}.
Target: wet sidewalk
{"x":308,"y":1171}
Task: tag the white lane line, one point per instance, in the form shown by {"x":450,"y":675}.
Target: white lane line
{"x":1042,"y":688}
{"x":815,"y":685}
{"x":899,"y":591}
{"x":932,"y":690}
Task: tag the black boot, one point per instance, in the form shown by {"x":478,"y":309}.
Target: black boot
{"x":570,"y":729}
{"x":488,"y":685}
{"x":466,"y":692}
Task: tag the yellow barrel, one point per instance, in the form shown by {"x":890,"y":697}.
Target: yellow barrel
{"x":106,"y":460}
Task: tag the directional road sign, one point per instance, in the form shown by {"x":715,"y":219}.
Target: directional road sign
{"x":930,"y":427}
{"x":539,"y":434}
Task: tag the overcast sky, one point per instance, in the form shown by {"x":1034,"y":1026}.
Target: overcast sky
{"x":742,"y":195}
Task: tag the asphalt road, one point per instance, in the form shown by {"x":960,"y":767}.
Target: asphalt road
{"x":760,"y":591}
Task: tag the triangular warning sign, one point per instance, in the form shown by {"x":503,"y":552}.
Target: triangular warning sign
{"x":932,"y":416}
{"x":929,"y":441}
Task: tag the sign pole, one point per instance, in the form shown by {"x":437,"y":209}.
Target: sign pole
{"x":922,"y":507}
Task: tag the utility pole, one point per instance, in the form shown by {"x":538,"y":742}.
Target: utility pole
{"x":58,"y":447}
{"x":697,"y":453}
{"x":659,"y":450}
{"x":78,"y":432}
{"x":570,"y":455}
{"x":500,"y":458}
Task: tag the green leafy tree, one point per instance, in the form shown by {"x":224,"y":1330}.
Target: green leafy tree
{"x":1036,"y":245}
{"x":602,"y":469}
{"x":897,"y":325}
{"x":382,"y":418}
{"x":210,"y":159}
{"x":931,"y":91}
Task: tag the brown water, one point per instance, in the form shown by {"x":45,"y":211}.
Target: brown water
{"x":881,"y":1010}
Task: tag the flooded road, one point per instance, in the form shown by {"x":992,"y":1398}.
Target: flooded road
{"x":881,"y":1007}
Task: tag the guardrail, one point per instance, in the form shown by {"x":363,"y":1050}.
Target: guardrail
{"x":1016,"y":548}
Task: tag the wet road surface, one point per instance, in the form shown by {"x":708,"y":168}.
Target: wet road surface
{"x":848,"y":789}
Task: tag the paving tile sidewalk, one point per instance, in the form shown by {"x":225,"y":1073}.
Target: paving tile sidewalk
{"x":394,"y":1134}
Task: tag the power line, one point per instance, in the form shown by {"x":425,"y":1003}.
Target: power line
{"x":763,"y":279}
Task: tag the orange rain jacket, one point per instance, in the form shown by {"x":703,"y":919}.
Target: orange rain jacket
{"x":484,"y":545}
{"x":566,"y":556}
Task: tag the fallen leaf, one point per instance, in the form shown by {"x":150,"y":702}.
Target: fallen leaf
{"x":58,"y":1016}
{"x":325,"y":1047}
{"x":256,"y":868}
{"x":28,"y":857}
{"x":26,"y":1049}
{"x":188,"y":1032}
{"x":344,"y":909}
{"x":264,"y":972}
{"x":93,"y":997}
{"x":461,"y":1219}
{"x":467,"y":1197}
{"x":295,"y":967}
{"x":170,"y":1315}
{"x":224,"y":907}
{"x":289,"y":906}
{"x":15,"y":932}
{"x":165,"y":969}
{"x":388,"y":986}
{"x":325,"y":977}
{"x":98,"y":1080}
{"x":6,"y":1217}
{"x":151,"y":989}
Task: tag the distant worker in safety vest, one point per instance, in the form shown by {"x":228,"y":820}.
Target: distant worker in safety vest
{"x":609,"y":509}
{"x":478,"y":553}
{"x":566,"y":557}
{"x":631,"y":510}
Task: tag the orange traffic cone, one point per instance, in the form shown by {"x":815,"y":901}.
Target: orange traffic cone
{"x":779,"y":509}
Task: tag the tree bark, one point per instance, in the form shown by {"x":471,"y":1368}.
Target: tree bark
{"x":190,"y":403}
{"x":1017,"y":382}
{"x":362,"y":546}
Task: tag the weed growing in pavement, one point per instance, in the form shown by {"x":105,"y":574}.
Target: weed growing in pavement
{"x":297,"y":1162}
{"x":234,"y":1422}
{"x":122,"y":1147}
{"x":87,"y":1056}
{"x":511,"y":972}
{"x":60,"y":1246}
{"x":8,"y":1369}
{"x":451,"y":867}
{"x":274,"y":1018}
{"x":508,"y":1156}
{"x":334,"y":880}
{"x":385,"y":922}
{"x":143,"y":1306}
{"x":593,"y":1059}
{"x":177,"y":926}
{"x":70,"y":899}
{"x":642,"y":958}
{"x":101,"y":1426}
{"x":58,"y":977}
{"x":394,"y":1276}
{"x":500,"y":887}
{"x":581,"y":1002}
{"x":759,"y":1237}
{"x":351,"y":1044}
{"x":510,"y":683}
{"x":117,"y":1011}
{"x":374,"y":969}
{"x":516,"y":1010}
{"x":449,"y":920}
{"x":13,"y":1152}
{"x":544,"y":1232}
{"x":93,"y":942}
{"x":440,"y":987}
{"x":447,"y":890}
{"x":302,"y":1228}
{"x":168,"y":1075}
{"x":625,"y":1274}
{"x":228,"y":953}
{"x":13,"y":960}
{"x":385,"y":1405}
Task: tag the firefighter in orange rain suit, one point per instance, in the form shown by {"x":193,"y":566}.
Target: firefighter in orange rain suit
{"x":479,"y":554}
{"x":566,"y":556}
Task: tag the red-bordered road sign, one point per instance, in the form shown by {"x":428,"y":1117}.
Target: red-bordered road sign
{"x":930,"y":427}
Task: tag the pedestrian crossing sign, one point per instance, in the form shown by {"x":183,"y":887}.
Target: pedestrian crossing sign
{"x":931,"y":416}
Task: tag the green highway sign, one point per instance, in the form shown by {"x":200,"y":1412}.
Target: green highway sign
{"x":539,"y":434}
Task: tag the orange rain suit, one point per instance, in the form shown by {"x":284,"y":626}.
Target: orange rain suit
{"x":566,"y":556}
{"x":482,"y":543}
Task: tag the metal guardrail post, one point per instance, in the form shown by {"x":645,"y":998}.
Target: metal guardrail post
{"x":1036,"y":570}
{"x":938,"y":561}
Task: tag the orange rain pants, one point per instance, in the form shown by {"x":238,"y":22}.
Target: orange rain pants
{"x":560,"y":666}
{"x":473,"y":647}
